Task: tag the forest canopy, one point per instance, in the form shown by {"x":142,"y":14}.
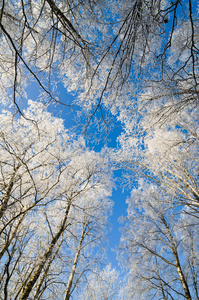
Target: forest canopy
{"x":134,"y":62}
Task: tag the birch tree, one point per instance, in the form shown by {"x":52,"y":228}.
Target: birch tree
{"x":159,"y":238}
{"x":54,"y":196}
{"x":160,"y":245}
{"x":89,"y":231}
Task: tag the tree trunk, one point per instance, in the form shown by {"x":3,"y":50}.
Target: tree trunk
{"x":7,"y":243}
{"x":178,"y":266}
{"x":73,"y":269}
{"x":6,"y":196}
{"x":28,"y":288}
{"x":38,"y":290}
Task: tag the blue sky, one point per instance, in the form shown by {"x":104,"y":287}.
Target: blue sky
{"x":119,"y":195}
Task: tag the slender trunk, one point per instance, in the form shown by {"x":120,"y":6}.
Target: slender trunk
{"x":7,"y":243}
{"x":178,"y":266}
{"x":7,"y":194}
{"x":73,"y":269}
{"x":38,"y":290}
{"x":181,"y":275}
{"x":7,"y":278}
{"x":29,"y":286}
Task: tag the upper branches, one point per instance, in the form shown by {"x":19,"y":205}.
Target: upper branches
{"x":100,"y":51}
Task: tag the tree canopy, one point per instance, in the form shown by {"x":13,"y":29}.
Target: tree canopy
{"x":134,"y":62}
